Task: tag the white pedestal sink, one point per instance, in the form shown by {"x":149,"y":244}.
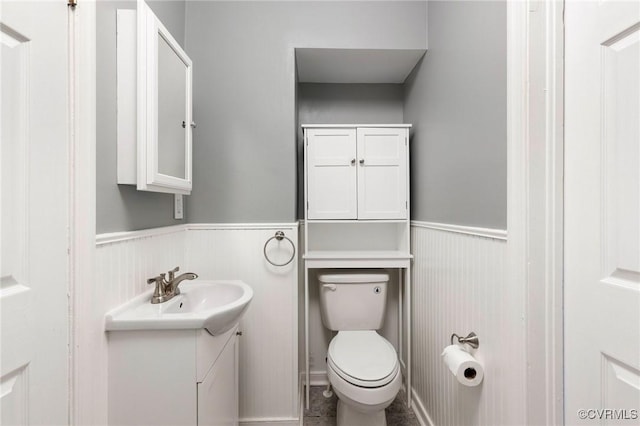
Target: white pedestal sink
{"x":213,"y":305}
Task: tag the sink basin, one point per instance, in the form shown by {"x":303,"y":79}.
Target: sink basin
{"x":216,"y":306}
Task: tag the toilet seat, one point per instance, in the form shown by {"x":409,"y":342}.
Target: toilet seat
{"x":363,"y":358}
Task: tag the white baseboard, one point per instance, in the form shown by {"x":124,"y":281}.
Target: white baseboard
{"x":270,"y":422}
{"x":418,"y":408}
{"x":319,"y":378}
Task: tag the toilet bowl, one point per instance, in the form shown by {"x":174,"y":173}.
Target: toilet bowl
{"x":364,"y":371}
{"x":362,"y":366}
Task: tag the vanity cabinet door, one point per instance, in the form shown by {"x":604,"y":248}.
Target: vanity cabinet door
{"x":218,"y":392}
{"x":331,"y":174}
{"x":382,"y":173}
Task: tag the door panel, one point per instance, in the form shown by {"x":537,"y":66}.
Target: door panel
{"x":34,"y":207}
{"x":331,"y":174}
{"x":14,"y":393}
{"x":602,"y":210}
{"x":382,"y":173}
{"x":15,"y":291}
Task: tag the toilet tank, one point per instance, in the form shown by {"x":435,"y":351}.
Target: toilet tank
{"x":353,"y":300}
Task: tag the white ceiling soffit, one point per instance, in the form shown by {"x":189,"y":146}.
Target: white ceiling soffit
{"x":355,"y":65}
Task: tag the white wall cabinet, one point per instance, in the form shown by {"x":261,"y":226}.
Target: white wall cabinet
{"x":357,"y":209}
{"x":155,"y":117}
{"x":357,"y":173}
{"x":173,"y":377}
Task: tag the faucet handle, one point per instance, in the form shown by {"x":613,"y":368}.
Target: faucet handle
{"x":156,"y":280}
{"x":159,"y":294}
{"x":173,"y":272}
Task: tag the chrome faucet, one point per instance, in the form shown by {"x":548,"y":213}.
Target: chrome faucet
{"x":166,"y":289}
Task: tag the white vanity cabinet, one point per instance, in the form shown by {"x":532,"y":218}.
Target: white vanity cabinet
{"x":173,"y":377}
{"x":357,"y":172}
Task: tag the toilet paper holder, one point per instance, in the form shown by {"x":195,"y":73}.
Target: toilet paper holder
{"x":471,"y":339}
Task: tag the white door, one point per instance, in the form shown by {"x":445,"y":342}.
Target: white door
{"x":331,"y":174}
{"x":602,"y":212}
{"x":34,"y":208}
{"x":382,"y":173}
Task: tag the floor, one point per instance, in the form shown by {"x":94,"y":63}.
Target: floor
{"x":323,"y":410}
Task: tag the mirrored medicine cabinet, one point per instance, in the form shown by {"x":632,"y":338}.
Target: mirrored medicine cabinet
{"x":155,"y":123}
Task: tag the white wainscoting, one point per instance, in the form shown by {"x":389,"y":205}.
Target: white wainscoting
{"x":459,"y":286}
{"x":123,"y":262}
{"x":268,"y":346}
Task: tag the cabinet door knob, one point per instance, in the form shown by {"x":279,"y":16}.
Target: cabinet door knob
{"x":353,"y":161}
{"x":238,"y":333}
{"x":362,"y":161}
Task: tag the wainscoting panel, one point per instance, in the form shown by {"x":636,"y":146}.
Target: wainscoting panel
{"x":124,"y":261}
{"x":122,"y":267}
{"x":459,"y":286}
{"x":269,"y":343}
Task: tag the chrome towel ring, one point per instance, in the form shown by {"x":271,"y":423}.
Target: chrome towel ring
{"x":279,"y":236}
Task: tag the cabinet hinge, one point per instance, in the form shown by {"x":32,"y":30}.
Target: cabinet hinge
{"x":72,"y":3}
{"x":406,"y":205}
{"x":307,"y":205}
{"x":405,"y":141}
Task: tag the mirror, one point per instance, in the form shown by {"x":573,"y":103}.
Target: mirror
{"x":165,"y":125}
{"x":172,"y":112}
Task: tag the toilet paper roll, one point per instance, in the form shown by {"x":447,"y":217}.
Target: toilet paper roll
{"x":463,"y":365}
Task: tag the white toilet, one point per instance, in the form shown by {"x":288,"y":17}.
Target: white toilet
{"x":362,"y":365}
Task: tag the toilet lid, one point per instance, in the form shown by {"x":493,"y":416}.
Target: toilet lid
{"x":363,"y":357}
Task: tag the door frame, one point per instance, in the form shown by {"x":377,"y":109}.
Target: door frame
{"x":534,"y":190}
{"x":84,"y":393}
{"x":535,"y":146}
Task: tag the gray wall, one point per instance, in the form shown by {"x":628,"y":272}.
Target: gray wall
{"x":244,"y":93}
{"x":349,"y":103}
{"x":122,"y":207}
{"x":344,"y":104}
{"x":456,"y":99}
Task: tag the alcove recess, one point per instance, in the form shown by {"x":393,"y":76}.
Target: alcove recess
{"x":356,"y":92}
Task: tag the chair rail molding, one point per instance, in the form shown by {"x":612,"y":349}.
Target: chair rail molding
{"x":114,"y":237}
{"x":498,"y":234}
